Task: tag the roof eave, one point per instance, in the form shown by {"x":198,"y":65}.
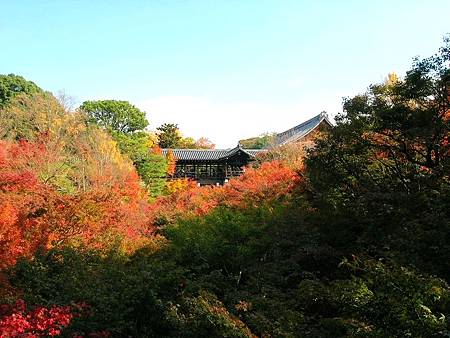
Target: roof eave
{"x":323,"y":117}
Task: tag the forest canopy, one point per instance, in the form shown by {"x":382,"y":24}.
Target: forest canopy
{"x":349,"y":238}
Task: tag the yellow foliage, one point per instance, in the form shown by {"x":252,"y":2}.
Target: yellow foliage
{"x":152,"y":140}
{"x":392,"y":78}
{"x":178,"y":185}
{"x":78,"y":154}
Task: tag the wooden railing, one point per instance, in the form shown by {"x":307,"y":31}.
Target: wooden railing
{"x":221,"y":176}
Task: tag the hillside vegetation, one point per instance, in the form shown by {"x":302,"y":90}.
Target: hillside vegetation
{"x":351,"y":241}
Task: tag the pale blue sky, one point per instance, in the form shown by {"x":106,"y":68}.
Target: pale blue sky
{"x":221,"y":69}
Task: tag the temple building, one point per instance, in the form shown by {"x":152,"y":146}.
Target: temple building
{"x":211,"y":166}
{"x":217,"y":166}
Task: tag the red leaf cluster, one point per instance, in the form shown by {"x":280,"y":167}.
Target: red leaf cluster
{"x":17,"y":321}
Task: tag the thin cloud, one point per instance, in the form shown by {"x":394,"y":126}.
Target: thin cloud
{"x":224,"y":123}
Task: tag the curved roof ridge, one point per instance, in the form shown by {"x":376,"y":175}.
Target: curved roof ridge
{"x":301,"y":129}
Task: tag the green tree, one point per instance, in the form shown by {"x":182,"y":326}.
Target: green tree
{"x":260,"y":142}
{"x":169,"y":135}
{"x":381,"y":178}
{"x":11,"y":85}
{"x":187,"y":143}
{"x":126,"y":123}
{"x":150,"y":166}
{"x":118,"y":115}
{"x":152,"y":169}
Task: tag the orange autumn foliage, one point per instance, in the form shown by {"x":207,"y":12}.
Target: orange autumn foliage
{"x":171,"y":163}
{"x":272,"y":181}
{"x":34,"y":214}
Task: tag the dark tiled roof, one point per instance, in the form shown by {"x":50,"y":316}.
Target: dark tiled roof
{"x":301,"y":130}
{"x":208,"y":154}
{"x":197,"y":154}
